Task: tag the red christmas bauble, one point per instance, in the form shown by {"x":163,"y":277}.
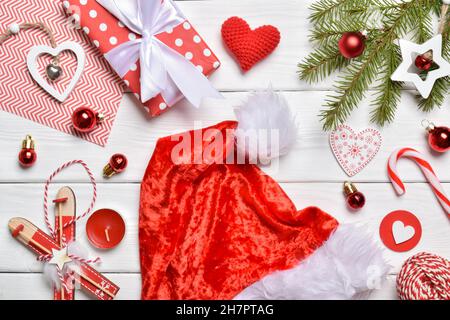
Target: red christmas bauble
{"x":356,"y":200}
{"x":84,"y":119}
{"x":118,"y":162}
{"x":352,"y":44}
{"x":439,"y":139}
{"x":423,"y":63}
{"x":27,"y":157}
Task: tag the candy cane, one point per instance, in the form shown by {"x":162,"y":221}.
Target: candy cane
{"x":427,"y":170}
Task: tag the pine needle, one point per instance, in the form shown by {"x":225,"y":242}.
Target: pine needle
{"x":442,"y":85}
{"x":321,"y":63}
{"x":350,"y":89}
{"x":387,"y":93}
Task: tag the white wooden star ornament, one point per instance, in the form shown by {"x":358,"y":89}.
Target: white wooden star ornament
{"x":410,"y":51}
{"x":60,"y":258}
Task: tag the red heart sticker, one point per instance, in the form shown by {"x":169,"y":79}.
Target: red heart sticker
{"x":249,"y":46}
{"x":400,"y":231}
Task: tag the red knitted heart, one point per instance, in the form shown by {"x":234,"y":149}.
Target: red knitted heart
{"x":249,"y":46}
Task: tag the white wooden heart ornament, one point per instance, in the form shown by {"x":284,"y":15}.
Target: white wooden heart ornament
{"x":354,"y":151}
{"x":37,"y":51}
{"x":401,"y":232}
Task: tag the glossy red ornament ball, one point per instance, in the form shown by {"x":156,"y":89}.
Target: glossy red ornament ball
{"x":84,"y":119}
{"x":439,"y":138}
{"x":27,"y":155}
{"x":352,"y":44}
{"x":116,"y":164}
{"x":355,"y":199}
{"x":423,"y":63}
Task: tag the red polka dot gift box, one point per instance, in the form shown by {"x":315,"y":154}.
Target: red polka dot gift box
{"x":152,"y":47}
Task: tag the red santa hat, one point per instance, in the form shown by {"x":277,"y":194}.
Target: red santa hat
{"x":213,"y":228}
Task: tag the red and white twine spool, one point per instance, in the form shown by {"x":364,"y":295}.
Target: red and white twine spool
{"x":427,"y":170}
{"x":424,"y":276}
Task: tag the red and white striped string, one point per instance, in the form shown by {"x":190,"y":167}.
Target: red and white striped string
{"x":53,"y":232}
{"x":47,"y":184}
{"x":427,"y":170}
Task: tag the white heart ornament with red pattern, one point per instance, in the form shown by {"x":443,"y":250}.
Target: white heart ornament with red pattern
{"x":354,"y":151}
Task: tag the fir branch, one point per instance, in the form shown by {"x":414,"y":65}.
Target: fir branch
{"x":327,"y":58}
{"x":334,"y":10}
{"x":423,"y":32}
{"x":331,"y":31}
{"x":351,"y":86}
{"x":350,"y":89}
{"x":321,"y":63}
{"x":401,"y":18}
{"x":436,"y":97}
{"x":446,"y":39}
{"x":386,"y":5}
{"x":395,"y":18}
{"x":324,"y":10}
{"x":388,"y":92}
{"x":436,"y":7}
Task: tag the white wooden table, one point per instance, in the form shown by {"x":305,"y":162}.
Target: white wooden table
{"x":309,"y":174}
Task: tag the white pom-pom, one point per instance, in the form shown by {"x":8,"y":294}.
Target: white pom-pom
{"x":446,"y":2}
{"x":14,"y":28}
{"x":267,"y":129}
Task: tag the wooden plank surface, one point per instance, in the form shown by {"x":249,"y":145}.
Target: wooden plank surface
{"x":124,"y":198}
{"x":17,"y":287}
{"x":309,"y":174}
{"x":135,"y":136}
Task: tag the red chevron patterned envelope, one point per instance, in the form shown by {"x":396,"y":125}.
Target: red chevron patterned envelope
{"x":108,"y":33}
{"x":98,"y":88}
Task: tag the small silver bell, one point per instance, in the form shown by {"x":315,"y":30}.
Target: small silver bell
{"x":53,"y":71}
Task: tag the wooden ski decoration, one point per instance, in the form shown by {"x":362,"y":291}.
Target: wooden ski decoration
{"x":90,"y":281}
{"x":65,"y":211}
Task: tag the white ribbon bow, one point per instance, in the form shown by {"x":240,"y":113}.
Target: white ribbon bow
{"x":163,"y":70}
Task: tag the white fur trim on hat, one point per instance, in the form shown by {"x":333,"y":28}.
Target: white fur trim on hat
{"x":348,"y":266}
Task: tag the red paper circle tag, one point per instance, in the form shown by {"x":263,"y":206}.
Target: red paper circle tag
{"x":400,"y":231}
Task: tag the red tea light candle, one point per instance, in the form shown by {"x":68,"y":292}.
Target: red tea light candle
{"x":105,"y":229}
